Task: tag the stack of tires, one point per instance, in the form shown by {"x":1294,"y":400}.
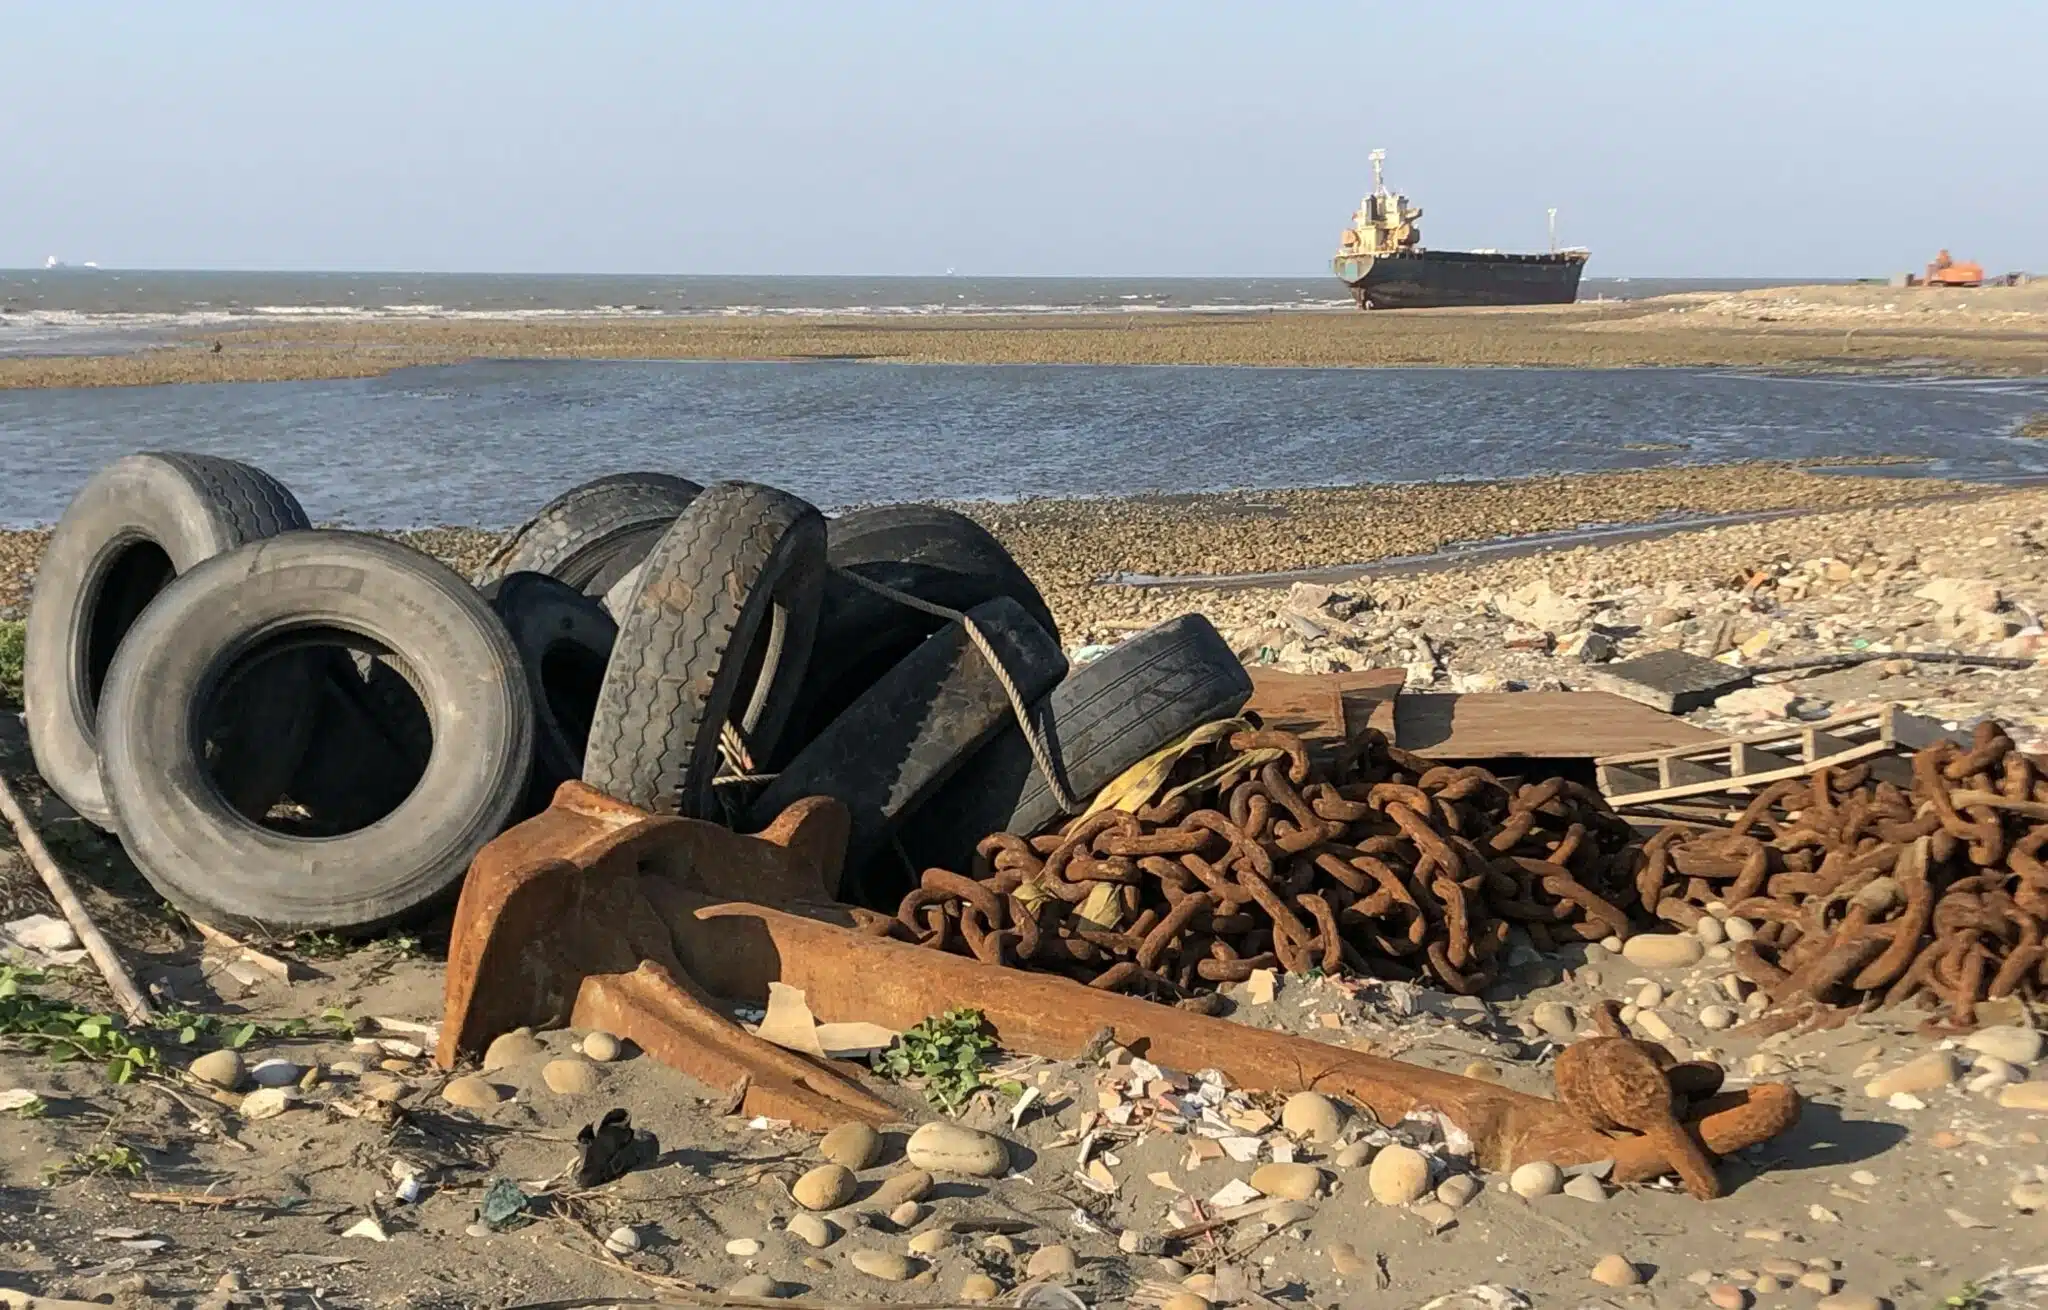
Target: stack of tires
{"x":292,"y":728}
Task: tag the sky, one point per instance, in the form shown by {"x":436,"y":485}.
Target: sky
{"x":1843,"y":138}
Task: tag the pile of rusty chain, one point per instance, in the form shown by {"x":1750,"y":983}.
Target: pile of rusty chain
{"x":1384,"y":865}
{"x":1865,"y":893}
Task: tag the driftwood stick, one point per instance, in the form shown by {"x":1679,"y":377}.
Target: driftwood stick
{"x":96,"y":945}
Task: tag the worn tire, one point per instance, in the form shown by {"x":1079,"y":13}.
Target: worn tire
{"x":913,"y":729}
{"x":297,"y":590}
{"x":592,"y":535}
{"x":1106,"y":716}
{"x":138,"y":523}
{"x":935,"y":554}
{"x":564,"y":639}
{"x":720,"y":628}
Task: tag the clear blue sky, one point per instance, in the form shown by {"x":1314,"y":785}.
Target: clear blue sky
{"x":1822,"y":137}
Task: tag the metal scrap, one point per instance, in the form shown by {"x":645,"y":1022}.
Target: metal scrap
{"x":1866,"y":893}
{"x":1382,"y":864}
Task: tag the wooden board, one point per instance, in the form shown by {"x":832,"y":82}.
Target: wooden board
{"x":1325,"y":709}
{"x":1539,"y":724}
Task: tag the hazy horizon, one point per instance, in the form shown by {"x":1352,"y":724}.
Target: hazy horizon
{"x":1748,"y":140}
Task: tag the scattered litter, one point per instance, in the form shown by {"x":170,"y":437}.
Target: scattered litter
{"x":119,"y":1234}
{"x":502,"y":1204}
{"x":373,"y":1230}
{"x":789,"y":1023}
{"x":1031,"y":1095}
{"x":1234,"y":1193}
{"x":18,"y":1098}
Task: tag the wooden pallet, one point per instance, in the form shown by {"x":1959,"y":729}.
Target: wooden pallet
{"x":1740,"y":765}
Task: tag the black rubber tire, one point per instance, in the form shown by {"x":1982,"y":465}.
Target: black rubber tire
{"x":564,"y":639}
{"x":374,"y":738}
{"x":302,"y":589}
{"x":935,"y":554}
{"x":1103,"y":718}
{"x":138,"y":523}
{"x":720,"y":628}
{"x":592,"y":535}
{"x":913,"y":729}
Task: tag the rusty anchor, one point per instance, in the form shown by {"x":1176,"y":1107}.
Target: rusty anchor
{"x":596,"y":914}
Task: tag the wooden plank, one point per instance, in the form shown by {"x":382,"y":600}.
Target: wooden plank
{"x":1539,"y":724}
{"x":1749,"y":759}
{"x":1800,"y":770}
{"x":1677,"y":771}
{"x":1621,"y":780}
{"x":1324,"y":709}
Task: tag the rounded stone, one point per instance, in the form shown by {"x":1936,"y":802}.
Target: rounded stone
{"x":817,"y":1264}
{"x":885,"y":1265}
{"x":1555,"y":1019}
{"x":1312,"y":1115}
{"x":1484,"y":1070}
{"x":222,"y":1068}
{"x":390,"y":1090}
{"x":1727,"y":1296}
{"x":1738,"y":930}
{"x":266,"y":1103}
{"x":743,"y":1247}
{"x":1185,"y":1301}
{"x":276,"y":1073}
{"x":1537,"y":1178}
{"x":1400,"y":1174}
{"x":2024,"y":1096}
{"x":1055,"y":1261}
{"x":2029,"y":1196}
{"x":601,"y":1047}
{"x":1354,"y":1155}
{"x":1000,"y":1243}
{"x":1779,"y":1266}
{"x":826,"y":1187}
{"x":755,"y":1285}
{"x":906,"y":1214}
{"x":1586,"y":1187}
{"x":1714,"y":1018}
{"x":1344,"y":1258}
{"x":1815,"y":1281}
{"x":1459,"y":1190}
{"x":1650,"y":996}
{"x":623,"y":1240}
{"x":812,"y":1230}
{"x":1934,"y":1070}
{"x":929,"y":1242}
{"x":910,"y":1185}
{"x":947,"y":1148}
{"x":1286,"y":1212}
{"x":1295,"y":1182}
{"x":854,"y":1145}
{"x":1769,"y":1284}
{"x":570,"y":1077}
{"x":978,"y":1288}
{"x":1847,"y":1300}
{"x":515,"y":1047}
{"x":1617,"y":1270}
{"x":472,"y":1093}
{"x":346,"y":1068}
{"x":1171,"y":1268}
{"x":1711,"y":931}
{"x":1202,"y":1285}
{"x":2008,"y":1042}
{"x":1663,"y":950}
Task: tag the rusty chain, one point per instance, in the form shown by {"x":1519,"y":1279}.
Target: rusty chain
{"x":1864,"y":893}
{"x":1383,"y":865}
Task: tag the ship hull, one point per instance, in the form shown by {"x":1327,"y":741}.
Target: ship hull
{"x":1431,"y":279}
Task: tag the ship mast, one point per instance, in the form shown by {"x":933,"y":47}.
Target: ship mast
{"x":1379,"y":186}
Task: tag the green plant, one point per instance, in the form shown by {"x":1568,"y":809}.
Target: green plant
{"x":35,"y":1107}
{"x":99,"y":1160}
{"x":13,"y":641}
{"x":942,"y":1056}
{"x":64,"y":1033}
{"x":1970,"y":1296}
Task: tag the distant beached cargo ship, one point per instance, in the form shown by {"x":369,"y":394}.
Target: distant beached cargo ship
{"x":1382,"y":259}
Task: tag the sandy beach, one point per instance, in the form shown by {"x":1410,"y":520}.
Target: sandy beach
{"x":1999,"y":330}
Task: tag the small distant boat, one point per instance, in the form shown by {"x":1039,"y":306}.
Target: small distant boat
{"x":51,"y":261}
{"x":1382,"y":259}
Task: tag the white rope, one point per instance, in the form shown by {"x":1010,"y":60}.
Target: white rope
{"x":1041,"y":753}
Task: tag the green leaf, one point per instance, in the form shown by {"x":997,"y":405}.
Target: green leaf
{"x":187,"y":1035}
{"x":242,"y":1036}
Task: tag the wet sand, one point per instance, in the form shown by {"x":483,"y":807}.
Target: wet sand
{"x":1988,"y":331}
